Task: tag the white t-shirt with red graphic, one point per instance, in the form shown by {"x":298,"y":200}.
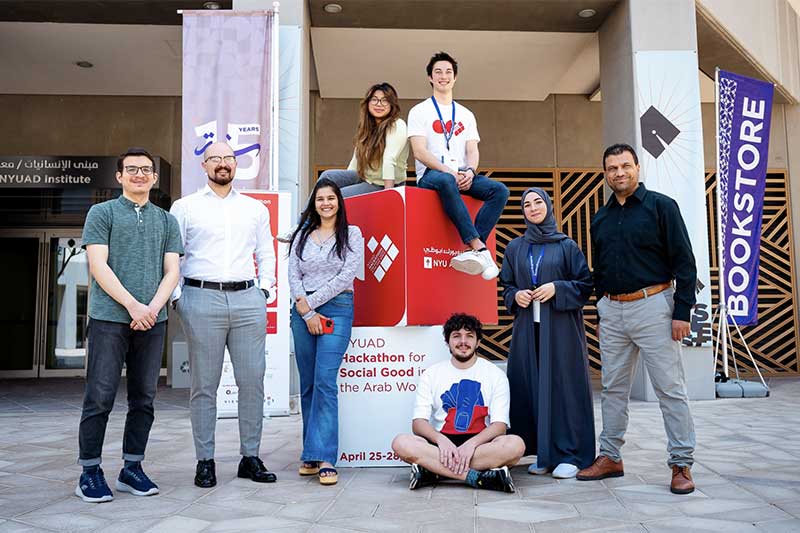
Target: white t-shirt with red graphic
{"x":423,"y":121}
{"x":462,"y":401}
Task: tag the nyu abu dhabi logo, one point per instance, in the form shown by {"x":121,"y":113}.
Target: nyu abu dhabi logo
{"x":437,"y":257}
{"x":242,"y":138}
{"x":382,"y":257}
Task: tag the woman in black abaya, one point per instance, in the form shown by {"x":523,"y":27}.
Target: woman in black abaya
{"x":546,"y":283}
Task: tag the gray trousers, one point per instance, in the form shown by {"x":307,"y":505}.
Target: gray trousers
{"x":214,"y":319}
{"x":628,"y":329}
{"x":349,"y":182}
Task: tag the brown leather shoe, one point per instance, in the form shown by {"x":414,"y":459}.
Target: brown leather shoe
{"x":681,"y":480}
{"x":602,"y":468}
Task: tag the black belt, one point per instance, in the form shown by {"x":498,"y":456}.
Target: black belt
{"x":220,"y":286}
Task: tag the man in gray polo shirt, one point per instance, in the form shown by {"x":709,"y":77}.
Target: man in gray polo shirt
{"x":133,"y":249}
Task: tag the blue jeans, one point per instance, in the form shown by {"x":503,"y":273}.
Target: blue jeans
{"x":350,"y":182}
{"x":318,"y":360}
{"x":110,"y":345}
{"x":493,"y":194}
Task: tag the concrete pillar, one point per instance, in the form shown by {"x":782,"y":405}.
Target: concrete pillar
{"x":651,"y":100}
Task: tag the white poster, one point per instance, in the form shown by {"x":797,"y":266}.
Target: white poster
{"x":671,"y":156}
{"x":377,"y":384}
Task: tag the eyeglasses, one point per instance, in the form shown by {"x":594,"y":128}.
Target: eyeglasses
{"x":230,"y":159}
{"x":133,"y":170}
{"x":376,"y":101}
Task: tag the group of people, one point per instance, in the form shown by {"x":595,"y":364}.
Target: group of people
{"x":471,"y":422}
{"x":644,"y":277}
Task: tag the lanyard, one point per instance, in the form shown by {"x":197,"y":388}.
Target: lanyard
{"x":535,"y":268}
{"x":447,"y":136}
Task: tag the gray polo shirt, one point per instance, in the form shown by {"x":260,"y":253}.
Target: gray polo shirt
{"x":137,"y":239}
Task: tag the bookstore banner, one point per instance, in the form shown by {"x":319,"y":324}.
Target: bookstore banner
{"x":744,"y":111}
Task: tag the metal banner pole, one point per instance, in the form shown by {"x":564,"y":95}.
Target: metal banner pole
{"x":275,"y":90}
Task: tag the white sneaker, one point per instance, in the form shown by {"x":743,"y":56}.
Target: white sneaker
{"x":565,"y":471}
{"x":536,"y":470}
{"x":469,"y":262}
{"x":474,"y":263}
{"x":491,"y":271}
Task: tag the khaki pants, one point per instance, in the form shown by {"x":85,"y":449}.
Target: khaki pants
{"x":628,"y":329}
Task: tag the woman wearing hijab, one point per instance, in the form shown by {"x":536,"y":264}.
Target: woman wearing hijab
{"x":546,"y":283}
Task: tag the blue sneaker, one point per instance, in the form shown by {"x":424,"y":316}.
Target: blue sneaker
{"x":92,"y":487}
{"x":135,"y":481}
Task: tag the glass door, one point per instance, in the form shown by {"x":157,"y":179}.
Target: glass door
{"x":22,"y":255}
{"x":66,"y":317}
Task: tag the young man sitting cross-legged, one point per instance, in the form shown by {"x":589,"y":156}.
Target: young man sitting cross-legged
{"x":461,"y":417}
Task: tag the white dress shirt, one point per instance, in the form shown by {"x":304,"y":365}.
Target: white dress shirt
{"x":220,"y":237}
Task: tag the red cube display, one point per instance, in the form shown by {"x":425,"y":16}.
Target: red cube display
{"x":406,"y":278}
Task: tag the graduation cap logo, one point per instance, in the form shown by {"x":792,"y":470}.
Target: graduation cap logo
{"x":657,"y":132}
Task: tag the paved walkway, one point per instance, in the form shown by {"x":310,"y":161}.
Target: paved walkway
{"x":747,"y":471}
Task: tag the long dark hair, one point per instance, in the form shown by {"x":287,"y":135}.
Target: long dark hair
{"x":310,"y":220}
{"x":370,"y":139}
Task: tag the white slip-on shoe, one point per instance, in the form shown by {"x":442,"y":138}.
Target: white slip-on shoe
{"x":536,"y":470}
{"x":469,"y":262}
{"x":490,"y":270}
{"x":565,"y":471}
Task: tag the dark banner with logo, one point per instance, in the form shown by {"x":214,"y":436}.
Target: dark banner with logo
{"x":68,"y":172}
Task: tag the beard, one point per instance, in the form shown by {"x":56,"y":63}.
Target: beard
{"x":221,"y":180}
{"x":463,"y":358}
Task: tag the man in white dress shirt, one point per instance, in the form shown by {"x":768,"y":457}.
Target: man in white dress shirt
{"x":221,"y":304}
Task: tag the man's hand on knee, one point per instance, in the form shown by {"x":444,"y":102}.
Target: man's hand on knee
{"x":465,"y":453}
{"x":448,"y":453}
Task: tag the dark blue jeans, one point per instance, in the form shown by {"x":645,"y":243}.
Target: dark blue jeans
{"x":318,"y":360}
{"x":493,"y":194}
{"x":110,"y":345}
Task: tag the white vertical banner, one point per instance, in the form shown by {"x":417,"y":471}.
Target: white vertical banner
{"x":671,"y":156}
{"x":229,"y":94}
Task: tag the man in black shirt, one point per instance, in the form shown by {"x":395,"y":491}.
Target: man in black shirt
{"x":640,"y":246}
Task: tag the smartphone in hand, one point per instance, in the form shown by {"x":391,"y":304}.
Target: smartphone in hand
{"x":327,"y":325}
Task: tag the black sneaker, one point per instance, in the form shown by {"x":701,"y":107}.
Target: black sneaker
{"x":205,"y":474}
{"x":421,"y":477}
{"x":496,"y":479}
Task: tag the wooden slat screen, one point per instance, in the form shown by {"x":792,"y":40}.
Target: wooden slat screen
{"x":577,"y":195}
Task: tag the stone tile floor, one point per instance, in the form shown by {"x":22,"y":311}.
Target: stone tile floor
{"x":747,"y":472}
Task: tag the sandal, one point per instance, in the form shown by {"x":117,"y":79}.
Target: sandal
{"x":309,"y":468}
{"x":331,"y":478}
